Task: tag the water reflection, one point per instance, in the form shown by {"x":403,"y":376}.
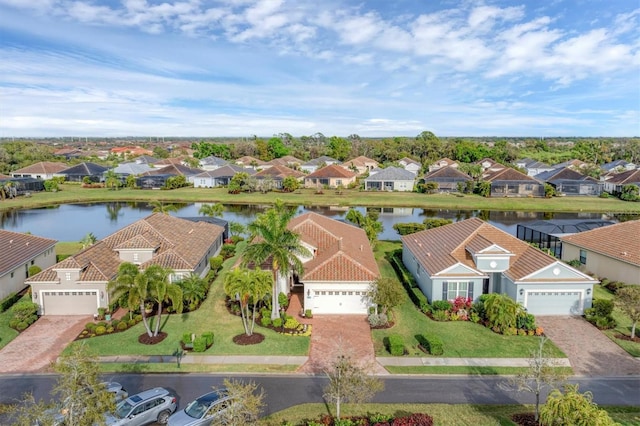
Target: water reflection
{"x":70,"y":222}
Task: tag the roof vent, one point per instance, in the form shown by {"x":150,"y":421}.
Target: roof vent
{"x":10,"y":241}
{"x":429,"y":254}
{"x":27,"y":243}
{"x":419,"y":244}
{"x":190,"y":230}
{"x":624,"y":253}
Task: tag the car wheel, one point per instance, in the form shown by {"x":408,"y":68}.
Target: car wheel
{"x":163,"y":417}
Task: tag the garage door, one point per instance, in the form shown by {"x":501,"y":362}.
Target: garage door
{"x":339,"y":302}
{"x":70,"y":302}
{"x":554,"y":302}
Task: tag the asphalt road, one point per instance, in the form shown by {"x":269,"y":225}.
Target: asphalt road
{"x":286,"y":391}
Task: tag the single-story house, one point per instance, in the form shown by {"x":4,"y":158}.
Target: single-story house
{"x":287,"y":161}
{"x":570,"y":182}
{"x":68,"y":153}
{"x":78,"y":284}
{"x":614,"y":182}
{"x":533,"y":167}
{"x":249,"y":161}
{"x":342,"y":267}
{"x":472,"y":257}
{"x":332,"y":176}
{"x":448,"y":178}
{"x":313,"y":165}
{"x":219,"y":177}
{"x":130,"y":151}
{"x":274,"y":175}
{"x":508,"y":182}
{"x":572,"y":164}
{"x":212,"y":163}
{"x":410,"y":165}
{"x":173,"y":170}
{"x":611,"y":252}
{"x":390,"y":179}
{"x":361,"y":165}
{"x":443,"y":162}
{"x":43,"y":170}
{"x":131,"y":168}
{"x":618,"y":166}
{"x":20,"y":252}
{"x":80,"y":171}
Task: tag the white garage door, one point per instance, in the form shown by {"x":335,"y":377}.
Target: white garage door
{"x":339,"y":302}
{"x":554,"y":302}
{"x":70,"y":302}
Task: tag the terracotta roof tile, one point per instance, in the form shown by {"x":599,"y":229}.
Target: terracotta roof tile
{"x":19,"y":248}
{"x":620,"y":241}
{"x":45,"y":167}
{"x":332,"y":171}
{"x":278,"y":172}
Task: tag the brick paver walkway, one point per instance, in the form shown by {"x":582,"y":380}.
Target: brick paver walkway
{"x":590,"y":352}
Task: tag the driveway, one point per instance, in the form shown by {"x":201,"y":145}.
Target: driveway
{"x":42,"y":343}
{"x":590,"y":352}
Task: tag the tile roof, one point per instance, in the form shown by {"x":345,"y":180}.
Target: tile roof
{"x":361,"y":161}
{"x":248,"y":160}
{"x":84,"y":169}
{"x":179,"y":244}
{"x":45,"y":167}
{"x":132,"y":168}
{"x":343,"y":250}
{"x":278,"y":172}
{"x":173,"y":169}
{"x":322,"y":159}
{"x":447,"y":172}
{"x":226,"y":171}
{"x":628,"y":177}
{"x":391,"y":173}
{"x":619,"y":241}
{"x":563,"y":173}
{"x":19,"y":248}
{"x":443,"y":247}
{"x":332,"y":171}
{"x":214,"y":161}
{"x":506,"y":174}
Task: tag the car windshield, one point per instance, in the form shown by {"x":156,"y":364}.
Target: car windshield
{"x":123,"y":409}
{"x":196,"y":409}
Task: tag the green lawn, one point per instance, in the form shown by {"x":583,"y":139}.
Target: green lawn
{"x":443,"y":414}
{"x":624,"y":323}
{"x":71,"y":193}
{"x":211,"y":316}
{"x":7,"y":333}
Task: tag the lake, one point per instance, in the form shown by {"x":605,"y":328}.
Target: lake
{"x":71,"y":222}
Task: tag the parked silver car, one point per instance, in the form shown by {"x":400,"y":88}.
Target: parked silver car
{"x":150,"y":406}
{"x":201,"y":411}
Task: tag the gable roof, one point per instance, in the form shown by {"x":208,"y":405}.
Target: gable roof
{"x":278,"y":172}
{"x":226,"y":171}
{"x":322,"y":159}
{"x":624,"y":178}
{"x":343,"y":250}
{"x":332,"y":171}
{"x":391,"y":173}
{"x":285,"y":161}
{"x":439,"y":249}
{"x":178,"y":243}
{"x":572,"y":163}
{"x":361,"y":161}
{"x":248,"y":160}
{"x":213,"y":161}
{"x":506,"y":173}
{"x":563,"y":173}
{"x":84,"y":169}
{"x":447,"y":172}
{"x":619,"y":241}
{"x":132,"y":168}
{"x":44,"y":167}
{"x":405,"y":161}
{"x":19,"y":248}
{"x":173,"y":169}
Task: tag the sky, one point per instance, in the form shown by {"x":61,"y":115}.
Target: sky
{"x":375,"y":68}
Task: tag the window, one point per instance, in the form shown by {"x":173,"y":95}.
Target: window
{"x":338,"y":181}
{"x":583,"y":257}
{"x":455,"y":289}
{"x":135,"y":257}
{"x":67,"y":276}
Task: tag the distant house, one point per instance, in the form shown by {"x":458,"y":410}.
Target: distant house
{"x":410,"y":165}
{"x":448,"y":178}
{"x":618,"y":166}
{"x":332,"y":176}
{"x":19,"y":253}
{"x":442,"y":163}
{"x":508,"y":182}
{"x":212,"y":163}
{"x":287,"y":161}
{"x":80,"y":171}
{"x":173,"y":170}
{"x":43,"y":170}
{"x":219,"y":177}
{"x":614,"y":182}
{"x":272,"y":177}
{"x":390,"y":179}
{"x":78,"y":284}
{"x":131,"y":169}
{"x":130,"y":151}
{"x":471,"y":257}
{"x":361,"y":165}
{"x":248,"y":161}
{"x":572,"y":164}
{"x":313,"y":165}
{"x":146,"y":159}
{"x":533,"y":167}
{"x":611,"y":252}
{"x":569,"y":182}
{"x":68,"y":153}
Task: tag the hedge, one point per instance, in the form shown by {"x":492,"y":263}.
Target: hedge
{"x":396,"y":345}
{"x":415,"y":294}
{"x":200,"y":344}
{"x":9,"y":301}
{"x":433,"y":344}
{"x":208,"y":336}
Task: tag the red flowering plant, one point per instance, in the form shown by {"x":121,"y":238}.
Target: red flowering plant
{"x":462,"y":307}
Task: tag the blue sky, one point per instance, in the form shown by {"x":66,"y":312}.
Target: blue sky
{"x":373,"y":68}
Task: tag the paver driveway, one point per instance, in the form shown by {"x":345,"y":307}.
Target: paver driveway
{"x":590,"y":352}
{"x":42,"y":343}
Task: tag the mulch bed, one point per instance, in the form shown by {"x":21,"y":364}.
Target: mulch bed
{"x":382,"y":327}
{"x":146,"y":340}
{"x":524,"y":419}
{"x":243,"y":339}
{"x":627,"y":338}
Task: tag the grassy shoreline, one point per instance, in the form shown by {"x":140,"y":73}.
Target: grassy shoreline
{"x":71,"y":193}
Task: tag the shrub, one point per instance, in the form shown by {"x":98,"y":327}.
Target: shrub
{"x":132,"y":322}
{"x":34,"y":269}
{"x":114,"y":323}
{"x":122,"y":326}
{"x":379,"y":320}
{"x":235,"y":239}
{"x":137,"y":318}
{"x":526,"y":321}
{"x":602,"y":307}
{"x":291,"y":323}
{"x":308,"y":313}
{"x":440,"y":315}
{"x":216,"y":262}
{"x":474,"y":318}
{"x":441,"y":305}
{"x":425,"y":307}
{"x":208,"y":336}
{"x":614,"y":286}
{"x":110,"y":329}
{"x":21,"y":325}
{"x":432,"y":343}
{"x":283,"y":300}
{"x":277,"y":322}
{"x":265,"y":321}
{"x":100,"y":330}
{"x":186,"y":337}
{"x":605,"y":323}
{"x":199,"y":344}
{"x":396,"y":345}
{"x":9,"y":301}
{"x":228,"y":250}
{"x":13,"y":323}
{"x":90,"y":327}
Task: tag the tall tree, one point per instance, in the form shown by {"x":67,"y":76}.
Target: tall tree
{"x":111,"y":179}
{"x":161,"y":290}
{"x":339,"y":148}
{"x":386,"y":292}
{"x":211,"y":210}
{"x":248,"y":402}
{"x":194,"y":289}
{"x":368,"y":223}
{"x":272,"y":241}
{"x":249,"y":287}
{"x":573,"y":408}
{"x":628,"y":300}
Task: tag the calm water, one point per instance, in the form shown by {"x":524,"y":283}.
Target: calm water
{"x":71,"y":222}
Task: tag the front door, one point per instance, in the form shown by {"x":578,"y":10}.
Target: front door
{"x":485,"y":286}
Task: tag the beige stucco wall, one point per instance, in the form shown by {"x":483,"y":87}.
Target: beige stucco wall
{"x":603,"y":266}
{"x":13,"y":281}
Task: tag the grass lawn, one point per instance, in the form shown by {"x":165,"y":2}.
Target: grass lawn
{"x":462,"y":339}
{"x":71,"y":193}
{"x":624,"y":323}
{"x":7,"y":333}
{"x":67,"y":248}
{"x":195,"y":368}
{"x":465,"y":370}
{"x":211,"y":316}
{"x":443,"y":414}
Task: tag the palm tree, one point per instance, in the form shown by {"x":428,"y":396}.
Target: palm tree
{"x":211,"y":210}
{"x":127,"y":284}
{"x":368,"y":223}
{"x":248,"y":287}
{"x":159,"y":207}
{"x":236,"y":228}
{"x":272,"y":241}
{"x":111,"y":179}
{"x":194,"y":289}
{"x":162,"y":290}
{"x":88,"y":240}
